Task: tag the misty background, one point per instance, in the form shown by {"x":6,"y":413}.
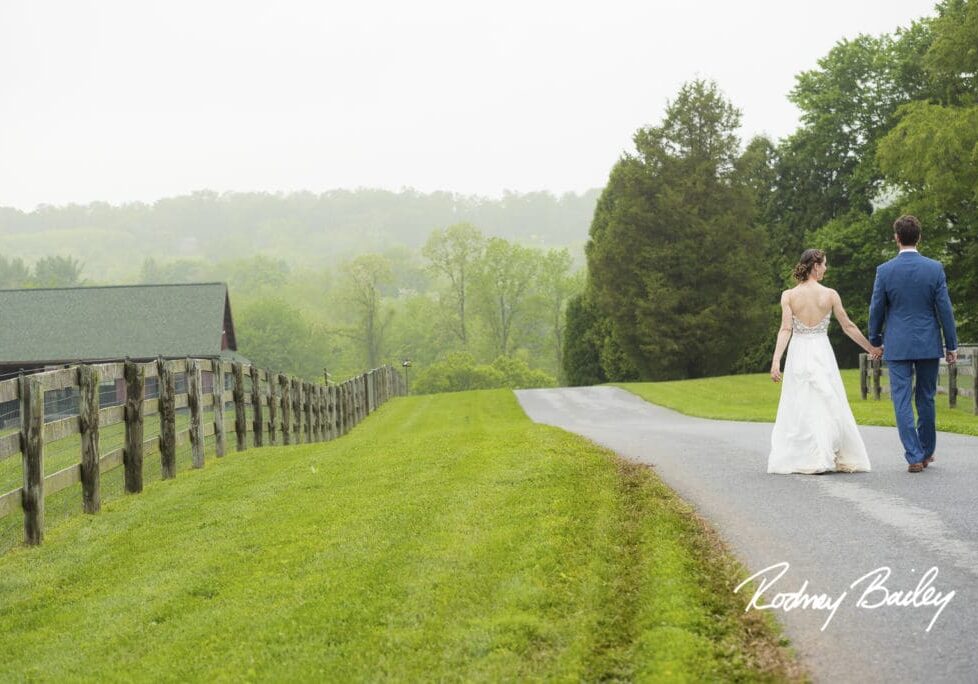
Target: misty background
{"x":316,"y":156}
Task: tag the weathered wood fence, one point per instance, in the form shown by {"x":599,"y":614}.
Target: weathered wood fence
{"x":283,"y":410}
{"x":955,"y":380}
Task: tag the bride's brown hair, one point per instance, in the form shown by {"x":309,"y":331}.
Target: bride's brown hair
{"x":810,"y":257}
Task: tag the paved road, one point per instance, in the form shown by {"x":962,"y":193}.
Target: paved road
{"x":831,"y":529}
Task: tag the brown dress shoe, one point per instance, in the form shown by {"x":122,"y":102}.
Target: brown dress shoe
{"x":916,"y":467}
{"x":927,"y":461}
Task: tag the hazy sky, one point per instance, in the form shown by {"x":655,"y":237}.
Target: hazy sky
{"x":137,"y":100}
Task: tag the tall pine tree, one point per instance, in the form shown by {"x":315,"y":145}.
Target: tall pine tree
{"x":676,"y":260}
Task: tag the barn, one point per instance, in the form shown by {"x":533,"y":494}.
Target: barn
{"x":50,"y":328}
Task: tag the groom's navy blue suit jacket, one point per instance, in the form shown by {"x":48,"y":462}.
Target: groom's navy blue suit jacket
{"x":910,"y":307}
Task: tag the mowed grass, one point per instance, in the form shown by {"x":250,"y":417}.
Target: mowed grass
{"x":446,"y":538}
{"x":755,"y":398}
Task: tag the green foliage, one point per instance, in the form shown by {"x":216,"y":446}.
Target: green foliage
{"x":364,"y":279}
{"x":453,"y":253}
{"x":275,"y":335}
{"x":583,"y":343}
{"x":504,"y":277}
{"x":57,"y":271}
{"x":459,"y":371}
{"x":674,"y":244}
{"x":14,"y":273}
{"x":931,"y":156}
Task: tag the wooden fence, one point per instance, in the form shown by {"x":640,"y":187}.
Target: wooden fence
{"x":955,"y":380}
{"x":284,"y":410}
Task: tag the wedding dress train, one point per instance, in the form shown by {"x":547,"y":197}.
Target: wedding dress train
{"x":815,"y":431}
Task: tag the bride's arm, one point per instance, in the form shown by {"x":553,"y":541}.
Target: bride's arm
{"x":850,"y":328}
{"x":784,"y":334}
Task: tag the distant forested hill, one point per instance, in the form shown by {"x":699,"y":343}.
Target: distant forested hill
{"x":305,"y":228}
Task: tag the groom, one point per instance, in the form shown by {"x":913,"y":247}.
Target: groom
{"x":909,"y":309}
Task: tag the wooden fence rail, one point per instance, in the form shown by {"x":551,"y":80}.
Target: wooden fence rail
{"x":297,"y":412}
{"x":955,"y":380}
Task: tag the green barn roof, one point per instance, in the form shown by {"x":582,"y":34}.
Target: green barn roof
{"x":95,"y":323}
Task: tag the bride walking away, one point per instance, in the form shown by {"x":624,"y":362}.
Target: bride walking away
{"x":815,"y":431}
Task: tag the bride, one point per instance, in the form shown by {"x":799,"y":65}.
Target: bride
{"x":815,"y":431}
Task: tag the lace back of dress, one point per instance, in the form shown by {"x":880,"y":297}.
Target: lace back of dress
{"x":822,"y":328}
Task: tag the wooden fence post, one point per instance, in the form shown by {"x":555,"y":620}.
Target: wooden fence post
{"x":974,"y":380}
{"x":368,"y":380}
{"x":168,"y":420}
{"x":952,"y":385}
{"x":327,"y":426}
{"x":864,"y":375}
{"x":354,"y":417}
{"x":88,"y":422}
{"x":355,"y":396}
{"x":306,"y":390}
{"x":877,"y":365}
{"x":334,"y":412}
{"x":351,"y":419}
{"x":220,"y":435}
{"x":296,"y":410}
{"x":317,"y":412}
{"x":330,"y":412}
{"x":341,"y":408}
{"x":256,"y":405}
{"x":32,"y":447}
{"x":132,"y":454}
{"x":362,"y":386}
{"x":240,"y":426}
{"x":283,"y":382}
{"x":194,"y":404}
{"x":272,"y":407}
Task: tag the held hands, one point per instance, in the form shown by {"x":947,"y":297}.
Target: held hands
{"x":776,"y":372}
{"x":875,"y":353}
{"x":952,"y":356}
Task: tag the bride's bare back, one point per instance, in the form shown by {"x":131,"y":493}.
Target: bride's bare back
{"x":810,"y":302}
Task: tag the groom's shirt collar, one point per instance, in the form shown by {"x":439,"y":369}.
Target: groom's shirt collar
{"x":907,"y":249}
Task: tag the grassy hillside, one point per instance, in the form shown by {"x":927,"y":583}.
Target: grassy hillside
{"x":446,"y":538}
{"x":755,"y":398}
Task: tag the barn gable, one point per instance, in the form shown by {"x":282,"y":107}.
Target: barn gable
{"x":64,"y":325}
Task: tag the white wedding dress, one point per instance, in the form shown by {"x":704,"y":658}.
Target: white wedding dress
{"x":815,"y":431}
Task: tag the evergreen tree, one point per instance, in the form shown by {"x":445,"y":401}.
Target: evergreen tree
{"x":582,"y":343}
{"x":676,"y":260}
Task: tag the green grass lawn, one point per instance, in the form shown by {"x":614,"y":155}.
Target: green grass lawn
{"x":755,"y":398}
{"x":446,"y":538}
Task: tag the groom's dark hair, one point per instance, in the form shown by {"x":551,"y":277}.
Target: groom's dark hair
{"x":907,"y":229}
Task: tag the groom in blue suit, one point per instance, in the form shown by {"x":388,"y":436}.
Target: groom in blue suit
{"x":909,"y":310}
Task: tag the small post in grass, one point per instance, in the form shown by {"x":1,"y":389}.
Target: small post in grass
{"x":306,"y":390}
{"x":272,"y":406}
{"x":88,"y":422}
{"x":256,"y":405}
{"x":168,"y":419}
{"x":877,"y":373}
{"x":32,"y":447}
{"x":220,"y":436}
{"x":240,"y":425}
{"x":296,"y":394}
{"x":132,"y":454}
{"x":286,"y":397}
{"x":194,"y":404}
{"x":864,"y":375}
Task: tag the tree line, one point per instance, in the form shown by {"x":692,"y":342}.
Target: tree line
{"x":695,"y":233}
{"x":307,"y":229}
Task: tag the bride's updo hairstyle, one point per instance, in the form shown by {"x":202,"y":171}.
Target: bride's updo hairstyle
{"x":805,"y":265}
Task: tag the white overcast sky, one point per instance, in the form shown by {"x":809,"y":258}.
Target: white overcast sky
{"x":137,"y":100}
